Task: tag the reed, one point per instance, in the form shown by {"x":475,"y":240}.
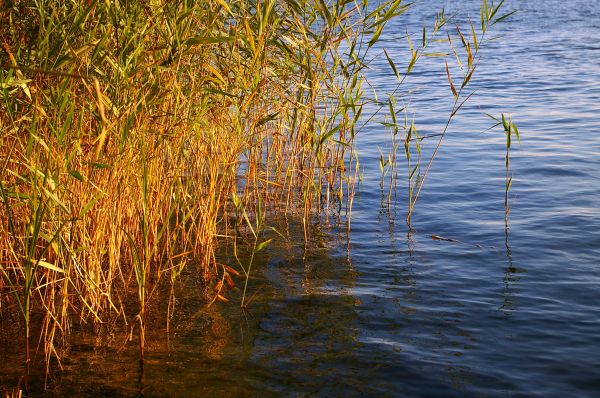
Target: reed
{"x":127,"y":127}
{"x":464,"y":49}
{"x":138,"y":135}
{"x":510,"y":129}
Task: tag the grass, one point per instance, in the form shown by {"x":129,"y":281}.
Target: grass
{"x":132,"y":131}
{"x":129,"y":126}
{"x":464,"y":50}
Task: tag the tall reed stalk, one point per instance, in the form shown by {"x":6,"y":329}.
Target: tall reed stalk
{"x":466,"y":54}
{"x":471,"y":45}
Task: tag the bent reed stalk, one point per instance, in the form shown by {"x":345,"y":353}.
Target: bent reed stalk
{"x":127,"y":127}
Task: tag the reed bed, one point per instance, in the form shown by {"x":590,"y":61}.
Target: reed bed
{"x":137,"y":135}
{"x":132,"y":130}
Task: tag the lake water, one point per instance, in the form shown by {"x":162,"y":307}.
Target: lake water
{"x":495,"y":313}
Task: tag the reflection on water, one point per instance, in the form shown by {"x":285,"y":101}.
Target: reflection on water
{"x":510,"y":280}
{"x":493,"y":313}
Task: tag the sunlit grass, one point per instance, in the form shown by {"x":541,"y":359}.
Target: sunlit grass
{"x":132,"y":130}
{"x":129,"y":126}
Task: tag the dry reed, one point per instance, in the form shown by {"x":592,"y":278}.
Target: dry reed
{"x":132,"y":130}
{"x":128,"y":127}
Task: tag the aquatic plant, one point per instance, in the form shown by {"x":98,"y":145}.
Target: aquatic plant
{"x":128,"y":126}
{"x":138,"y":136}
{"x":510,"y":129}
{"x":467,"y":58}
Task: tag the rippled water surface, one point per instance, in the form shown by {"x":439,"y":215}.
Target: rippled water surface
{"x":494,"y":313}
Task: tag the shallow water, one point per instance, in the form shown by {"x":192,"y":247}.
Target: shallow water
{"x":494,"y":314}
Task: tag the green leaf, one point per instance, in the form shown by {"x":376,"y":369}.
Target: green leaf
{"x":492,"y":117}
{"x":376,"y":35}
{"x":502,"y":18}
{"x":76,"y":174}
{"x":414,"y":170}
{"x":325,"y":10}
{"x":331,"y":132}
{"x":267,"y":119}
{"x":392,"y":65}
{"x":412,"y":62}
{"x":505,"y":124}
{"x":495,"y":9}
{"x":516,"y":132}
{"x":262,"y":245}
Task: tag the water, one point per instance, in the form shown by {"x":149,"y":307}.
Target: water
{"x":495,"y":314}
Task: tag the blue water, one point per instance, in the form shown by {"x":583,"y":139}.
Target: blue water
{"x":494,"y":313}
